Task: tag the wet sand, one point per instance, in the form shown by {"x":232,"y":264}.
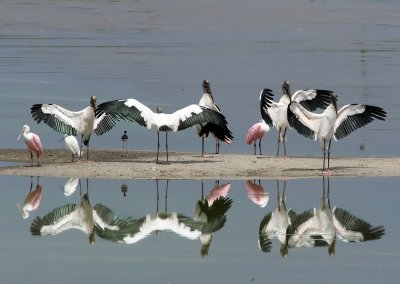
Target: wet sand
{"x":141,"y":165}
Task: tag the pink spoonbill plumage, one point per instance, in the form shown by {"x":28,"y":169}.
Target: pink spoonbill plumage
{"x":256,"y":132}
{"x":33,"y":143}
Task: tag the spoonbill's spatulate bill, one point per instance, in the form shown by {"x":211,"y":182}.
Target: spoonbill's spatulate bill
{"x":133,"y":110}
{"x":33,"y":143}
{"x":332,"y":123}
{"x":71,"y":122}
{"x":275,"y":113}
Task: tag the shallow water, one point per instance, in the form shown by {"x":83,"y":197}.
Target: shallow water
{"x":65,"y":51}
{"x":166,"y":257}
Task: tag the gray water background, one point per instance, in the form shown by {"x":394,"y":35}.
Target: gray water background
{"x":160,"y":51}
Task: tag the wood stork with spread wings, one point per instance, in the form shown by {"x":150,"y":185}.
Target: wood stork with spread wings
{"x":133,"y":110}
{"x":331,"y":123}
{"x":71,"y":122}
{"x":275,"y":113}
{"x":78,"y":216}
{"x":275,"y":223}
{"x":321,"y":227}
{"x":204,"y":129}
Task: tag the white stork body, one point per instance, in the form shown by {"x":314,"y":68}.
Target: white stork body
{"x":203,"y":129}
{"x":332,"y":123}
{"x":72,"y":144}
{"x":70,"y":122}
{"x":275,"y":113}
{"x":133,"y":110}
{"x":78,"y":216}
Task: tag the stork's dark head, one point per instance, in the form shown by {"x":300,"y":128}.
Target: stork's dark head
{"x":206,"y":86}
{"x":286,"y":88}
{"x":93,"y":102}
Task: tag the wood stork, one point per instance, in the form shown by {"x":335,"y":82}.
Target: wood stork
{"x":331,"y":122}
{"x":124,"y":139}
{"x":32,"y":200}
{"x":204,"y":129}
{"x":207,"y":220}
{"x":275,"y":113}
{"x":256,"y":132}
{"x":133,"y":110}
{"x":275,"y":223}
{"x":321,"y":227}
{"x":72,"y":144}
{"x":78,"y":216}
{"x":33,"y":143}
{"x":70,"y":122}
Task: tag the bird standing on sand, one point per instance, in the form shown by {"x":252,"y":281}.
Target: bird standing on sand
{"x":124,"y":139}
{"x":72,"y":144}
{"x":70,"y":122}
{"x":203,"y":129}
{"x":133,"y":110}
{"x":331,"y":123}
{"x":275,"y":113}
{"x":33,"y":142}
{"x":256,"y":132}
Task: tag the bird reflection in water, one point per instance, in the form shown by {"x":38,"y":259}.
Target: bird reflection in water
{"x":208,"y":218}
{"x":321,"y":227}
{"x":32,"y":200}
{"x":78,"y":216}
{"x":71,"y":185}
{"x":275,"y":223}
{"x":256,"y":193}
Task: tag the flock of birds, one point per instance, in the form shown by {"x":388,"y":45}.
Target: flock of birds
{"x":291,"y":111}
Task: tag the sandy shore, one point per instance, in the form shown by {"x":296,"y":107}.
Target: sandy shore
{"x":140,"y":165}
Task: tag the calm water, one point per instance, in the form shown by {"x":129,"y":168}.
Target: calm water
{"x":166,"y":257}
{"x":159,"y":52}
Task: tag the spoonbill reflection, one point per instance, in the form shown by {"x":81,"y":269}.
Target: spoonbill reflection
{"x":33,"y":143}
{"x":256,"y":193}
{"x":332,"y":123}
{"x":133,"y":110}
{"x":70,"y":186}
{"x":275,"y":113}
{"x":32,"y":200}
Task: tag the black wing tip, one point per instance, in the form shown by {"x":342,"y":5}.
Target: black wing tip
{"x":376,"y":112}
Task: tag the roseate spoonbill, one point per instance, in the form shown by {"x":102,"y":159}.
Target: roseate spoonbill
{"x":70,"y":122}
{"x":332,"y":123}
{"x":32,"y":200}
{"x":275,"y":223}
{"x":124,"y":139}
{"x":72,"y":144}
{"x":203,"y":129}
{"x":79,"y":216}
{"x":275,"y":113}
{"x":133,"y":110}
{"x":256,"y":132}
{"x":33,"y":142}
{"x":256,"y":193}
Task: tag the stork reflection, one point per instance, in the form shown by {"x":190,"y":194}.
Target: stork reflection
{"x":209,"y":217}
{"x":79,"y":216}
{"x":275,"y":223}
{"x":32,"y":200}
{"x":322,"y":226}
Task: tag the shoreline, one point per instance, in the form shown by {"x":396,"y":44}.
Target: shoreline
{"x":112,"y":164}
